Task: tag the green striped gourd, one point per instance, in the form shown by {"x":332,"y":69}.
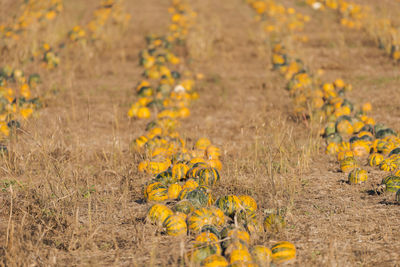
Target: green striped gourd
{"x":179,"y":171}
{"x":375,"y":159}
{"x":208,"y":176}
{"x":348,"y":164}
{"x":358,"y":176}
{"x":229,"y":204}
{"x":283,"y":252}
{"x":158,"y":213}
{"x":175,"y":225}
{"x":199,"y":218}
{"x":248,"y":202}
{"x":390,"y":184}
{"x":388,"y":165}
{"x":156,"y":192}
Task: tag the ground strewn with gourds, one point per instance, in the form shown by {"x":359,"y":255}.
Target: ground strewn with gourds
{"x":183,"y":177}
{"x":199,"y":133}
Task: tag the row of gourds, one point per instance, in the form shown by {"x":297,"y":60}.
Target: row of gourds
{"x":183,"y":176}
{"x":33,"y":13}
{"x":350,"y":133}
{"x":356,"y":16}
{"x":17,"y":89}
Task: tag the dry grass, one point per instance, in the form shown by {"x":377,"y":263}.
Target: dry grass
{"x":70,"y":193}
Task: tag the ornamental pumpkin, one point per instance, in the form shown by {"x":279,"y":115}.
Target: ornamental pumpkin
{"x":261,"y":255}
{"x":360,"y":148}
{"x":248,"y":202}
{"x":229,"y":204}
{"x":345,"y":154}
{"x":387,"y":132}
{"x":219,"y":216}
{"x":155,"y":167}
{"x":283,"y":252}
{"x":390,"y":184}
{"x":158,"y":213}
{"x":143,"y":113}
{"x":215,"y":163}
{"x":204,"y":238}
{"x":199,"y":196}
{"x":165,"y":177}
{"x":199,"y":254}
{"x":253,"y":226}
{"x":208,"y":176}
{"x":344,"y":127}
{"x":332,"y":149}
{"x":348,"y":164}
{"x":215,"y":261}
{"x":195,"y":160}
{"x":213,"y":152}
{"x":182,"y":215}
{"x":156,"y":192}
{"x":179,"y":171}
{"x":185,"y":206}
{"x":240,"y":255}
{"x":274,"y":223}
{"x":199,"y":218}
{"x":175,"y":225}
{"x":232,"y":245}
{"x":191,"y":184}
{"x":375,"y":159}
{"x":235,"y":234}
{"x":388,"y":165}
{"x":358,"y":176}
{"x":174,"y":190}
{"x":395,"y":151}
{"x":210,"y":229}
{"x":192,"y":172}
{"x":380,"y":145}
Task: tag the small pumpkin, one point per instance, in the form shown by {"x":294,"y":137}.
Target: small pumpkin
{"x":156,"y":192}
{"x":283,"y":252}
{"x":185,"y":206}
{"x":174,"y":190}
{"x":390,"y":183}
{"x":345,"y":154}
{"x":261,"y":255}
{"x":208,"y":176}
{"x":179,"y":171}
{"x":191,"y":184}
{"x":158,"y":213}
{"x":175,"y":225}
{"x":214,"y":261}
{"x":375,"y":159}
{"x":197,"y":255}
{"x":199,"y":218}
{"x":358,"y":176}
{"x":205,"y":238}
{"x":348,"y":164}
{"x":248,"y":202}
{"x":240,"y":255}
{"x":388,"y":165}
{"x":165,"y":177}
{"x":229,"y":204}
